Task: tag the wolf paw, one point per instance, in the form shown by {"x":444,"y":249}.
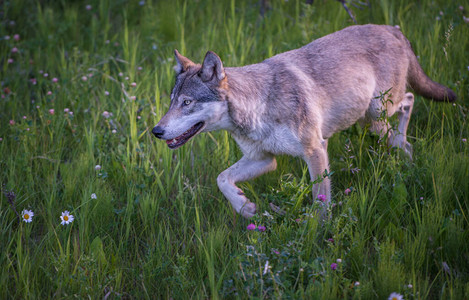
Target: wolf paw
{"x":248,"y":210}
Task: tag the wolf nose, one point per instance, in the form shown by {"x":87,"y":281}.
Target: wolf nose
{"x":158,"y":131}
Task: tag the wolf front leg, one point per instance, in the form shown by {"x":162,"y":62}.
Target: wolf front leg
{"x":243,"y":170}
{"x":318,"y":163}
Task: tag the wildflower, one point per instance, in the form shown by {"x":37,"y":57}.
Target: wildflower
{"x":464,"y":140}
{"x":139,"y":68}
{"x":97,"y":167}
{"x":357,"y":283}
{"x":141,"y":3}
{"x":133,"y":84}
{"x":51,"y":111}
{"x":333,"y":266}
{"x":49,"y":93}
{"x":347,"y":191}
{"x":66,"y":110}
{"x":27,"y":129}
{"x":10,"y":60}
{"x":139,"y":117}
{"x":93,"y":196}
{"x":46,"y":74}
{"x":88,"y":7}
{"x":27,"y":215}
{"x":84,"y":78}
{"x":106,"y":114}
{"x":107,"y":41}
{"x":6,"y":37}
{"x":127,"y":78}
{"x":395,"y":296}
{"x":330,"y":240}
{"x":461,"y":7}
{"x":1,"y":139}
{"x":261,"y":228}
{"x":251,"y":227}
{"x":276,"y":252}
{"x":441,"y":13}
{"x":266,"y":268}
{"x":121,"y":74}
{"x":66,"y":218}
{"x":41,"y":71}
{"x":298,"y":220}
{"x":24,"y":117}
{"x":322,"y":197}
{"x":114,"y":131}
{"x":133,"y":98}
{"x":409,"y":286}
{"x":339,"y":260}
{"x":106,"y":93}
{"x":12,"y":122}
{"x":70,"y":113}
{"x":55,"y":80}
{"x":33,"y":81}
{"x":16,"y":37}
{"x":14,"y":50}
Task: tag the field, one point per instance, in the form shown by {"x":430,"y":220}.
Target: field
{"x":83,"y":84}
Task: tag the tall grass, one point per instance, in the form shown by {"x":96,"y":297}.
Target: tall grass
{"x":159,"y":227}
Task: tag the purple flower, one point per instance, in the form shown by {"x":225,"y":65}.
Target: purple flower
{"x":55,"y":79}
{"x":251,"y":227}
{"x":16,"y":37}
{"x":322,"y":197}
{"x":261,"y":228}
{"x":330,"y":240}
{"x":333,"y":266}
{"x":347,"y":191}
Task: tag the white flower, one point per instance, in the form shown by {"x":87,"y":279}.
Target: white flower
{"x":357,"y":283}
{"x":339,"y":260}
{"x":266,"y":268}
{"x":27,"y":215}
{"x":93,"y":196}
{"x":114,"y":131}
{"x":66,"y":218}
{"x":106,"y":93}
{"x":395,"y":296}
{"x":97,"y":167}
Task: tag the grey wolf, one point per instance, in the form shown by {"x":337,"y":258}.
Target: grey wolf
{"x":293,"y":102}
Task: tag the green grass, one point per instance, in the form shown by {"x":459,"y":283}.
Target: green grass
{"x":160,"y":228}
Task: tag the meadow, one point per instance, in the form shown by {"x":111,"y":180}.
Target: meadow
{"x":83,"y":84}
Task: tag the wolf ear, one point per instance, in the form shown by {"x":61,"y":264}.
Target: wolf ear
{"x":212,"y":68}
{"x":183,"y":63}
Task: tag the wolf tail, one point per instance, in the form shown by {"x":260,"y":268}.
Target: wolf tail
{"x":424,"y":86}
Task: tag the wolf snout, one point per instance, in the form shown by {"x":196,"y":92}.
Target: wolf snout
{"x":158,"y":132}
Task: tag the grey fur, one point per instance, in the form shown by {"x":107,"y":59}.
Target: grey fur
{"x":293,"y":102}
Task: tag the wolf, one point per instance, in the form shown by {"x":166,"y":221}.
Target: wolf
{"x":293,"y":102}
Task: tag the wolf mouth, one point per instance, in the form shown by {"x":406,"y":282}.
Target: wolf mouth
{"x":185,"y":137}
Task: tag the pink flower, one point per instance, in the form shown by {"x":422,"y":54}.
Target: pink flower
{"x":16,"y":37}
{"x":133,"y":84}
{"x":66,"y":110}
{"x":10,"y":60}
{"x":51,"y":111}
{"x":347,"y":191}
{"x":49,"y":93}
{"x":322,"y":197}
{"x":261,"y":228}
{"x":133,"y":98}
{"x":14,"y":50}
{"x":55,"y":79}
{"x":84,"y":78}
{"x":1,"y":139}
{"x":333,"y":266}
{"x":251,"y":227}
{"x":330,"y":240}
{"x":298,"y":220}
{"x":12,"y":122}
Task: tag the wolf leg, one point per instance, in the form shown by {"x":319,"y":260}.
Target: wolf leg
{"x":243,"y":170}
{"x":318,"y":163}
{"x":399,"y":138}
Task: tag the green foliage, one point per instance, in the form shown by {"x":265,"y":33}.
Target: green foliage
{"x":159,"y":227}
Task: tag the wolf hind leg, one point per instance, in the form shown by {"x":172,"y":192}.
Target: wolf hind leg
{"x":243,"y":170}
{"x":398,"y":138}
{"x":318,"y":163}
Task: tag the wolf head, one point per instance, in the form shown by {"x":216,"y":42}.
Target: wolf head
{"x":196,"y":102}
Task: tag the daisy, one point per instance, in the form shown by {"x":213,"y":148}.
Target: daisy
{"x":395,"y":296}
{"x":27,"y":215}
{"x":66,"y":218}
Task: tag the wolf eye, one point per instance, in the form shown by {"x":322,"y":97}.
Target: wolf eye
{"x":187,"y":102}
